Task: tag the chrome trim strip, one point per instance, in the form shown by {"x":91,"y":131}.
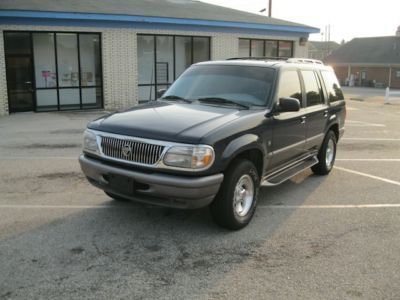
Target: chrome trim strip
{"x":139,"y":151}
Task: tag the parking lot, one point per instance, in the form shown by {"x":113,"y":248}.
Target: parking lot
{"x":334,"y":237}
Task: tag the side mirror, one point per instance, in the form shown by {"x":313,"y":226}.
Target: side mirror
{"x":288,"y":104}
{"x":160,"y":93}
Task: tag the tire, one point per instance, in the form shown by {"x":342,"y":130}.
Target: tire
{"x":326,"y":155}
{"x":115,"y":197}
{"x":224,"y":211}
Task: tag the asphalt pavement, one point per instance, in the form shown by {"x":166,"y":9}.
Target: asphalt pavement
{"x":332,"y":237}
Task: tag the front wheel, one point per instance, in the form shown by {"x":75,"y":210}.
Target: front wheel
{"x":326,"y":155}
{"x":236,"y":201}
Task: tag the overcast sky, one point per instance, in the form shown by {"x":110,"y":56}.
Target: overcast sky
{"x":348,"y":18}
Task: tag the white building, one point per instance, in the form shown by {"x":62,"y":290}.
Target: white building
{"x":73,"y":54}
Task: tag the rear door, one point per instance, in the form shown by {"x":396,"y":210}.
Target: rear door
{"x":288,"y":140}
{"x":316,"y":109}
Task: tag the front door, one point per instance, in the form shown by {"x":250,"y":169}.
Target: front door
{"x":19,"y":70}
{"x":289,"y":128}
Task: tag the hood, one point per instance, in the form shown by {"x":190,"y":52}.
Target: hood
{"x":178,"y":122}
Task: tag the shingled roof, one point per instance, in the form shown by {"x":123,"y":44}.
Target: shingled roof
{"x":322,"y":46}
{"x":373,"y":50}
{"x":183,"y":9}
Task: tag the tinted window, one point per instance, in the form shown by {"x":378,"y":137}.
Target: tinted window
{"x":289,"y":85}
{"x":244,"y":84}
{"x":332,"y":86}
{"x":313,"y":90}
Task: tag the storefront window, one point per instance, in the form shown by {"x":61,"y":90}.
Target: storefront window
{"x":67,"y":57}
{"x":65,"y":70}
{"x":89,"y":50}
{"x":257,"y":48}
{"x":267,"y":48}
{"x":244,"y":48}
{"x":165,"y":59}
{"x":201,"y":49}
{"x":45,"y":61}
{"x":162,"y":58}
{"x":183,"y":51}
{"x":271,"y":48}
{"x":46,"y":100}
{"x":285,"y":49}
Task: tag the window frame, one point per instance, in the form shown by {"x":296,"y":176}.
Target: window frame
{"x":319,"y":85}
{"x":278,"y":85}
{"x":156,"y":84}
{"x":270,"y":40}
{"x":57,"y":88}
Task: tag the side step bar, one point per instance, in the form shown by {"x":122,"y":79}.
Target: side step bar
{"x":288,"y":173}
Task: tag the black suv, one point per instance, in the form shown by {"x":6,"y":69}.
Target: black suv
{"x":222,"y":130}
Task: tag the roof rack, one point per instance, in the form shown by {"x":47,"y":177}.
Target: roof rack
{"x":289,"y":60}
{"x":305,"y":61}
{"x":265,"y":58}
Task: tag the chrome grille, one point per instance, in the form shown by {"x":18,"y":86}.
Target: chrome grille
{"x":140,"y":152}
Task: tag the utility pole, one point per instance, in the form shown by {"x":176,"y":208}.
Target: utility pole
{"x":270,"y":8}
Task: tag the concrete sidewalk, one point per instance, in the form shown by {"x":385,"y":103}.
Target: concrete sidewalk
{"x":374,"y":95}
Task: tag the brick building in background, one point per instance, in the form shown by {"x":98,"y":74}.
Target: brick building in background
{"x":71,"y":55}
{"x":372,"y":62}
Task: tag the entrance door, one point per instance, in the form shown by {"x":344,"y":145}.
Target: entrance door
{"x":19,"y":71}
{"x":19,"y":79}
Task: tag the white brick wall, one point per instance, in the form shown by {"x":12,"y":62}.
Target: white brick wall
{"x":3,"y":82}
{"x":120,"y":58}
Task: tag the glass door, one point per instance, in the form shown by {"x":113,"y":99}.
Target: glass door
{"x":19,"y":72}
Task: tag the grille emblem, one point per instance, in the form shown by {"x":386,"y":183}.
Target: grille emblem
{"x":126,"y":150}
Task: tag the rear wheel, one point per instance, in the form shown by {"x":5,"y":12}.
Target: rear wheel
{"x":236,"y":201}
{"x":115,"y":197}
{"x":326,"y":155}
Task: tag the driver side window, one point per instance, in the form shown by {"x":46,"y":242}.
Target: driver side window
{"x":289,"y":85}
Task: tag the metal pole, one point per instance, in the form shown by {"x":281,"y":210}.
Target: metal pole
{"x":270,"y":8}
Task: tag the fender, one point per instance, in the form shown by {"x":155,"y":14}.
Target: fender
{"x":241,"y":144}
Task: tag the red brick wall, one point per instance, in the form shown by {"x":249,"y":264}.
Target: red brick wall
{"x":395,"y":80}
{"x":341,"y":73}
{"x":378,"y":74}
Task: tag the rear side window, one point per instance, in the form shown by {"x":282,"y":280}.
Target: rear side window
{"x":312,"y":87}
{"x":332,"y":86}
{"x":289,"y":85}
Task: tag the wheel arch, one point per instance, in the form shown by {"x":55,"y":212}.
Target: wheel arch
{"x":245,"y":147}
{"x":335,"y":128}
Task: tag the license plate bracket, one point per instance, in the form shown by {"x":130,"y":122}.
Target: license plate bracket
{"x":121,"y":184}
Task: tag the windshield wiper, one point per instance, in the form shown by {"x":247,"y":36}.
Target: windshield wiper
{"x":174,"y":97}
{"x":222,"y":100}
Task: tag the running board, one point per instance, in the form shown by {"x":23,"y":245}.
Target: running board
{"x":288,"y":173}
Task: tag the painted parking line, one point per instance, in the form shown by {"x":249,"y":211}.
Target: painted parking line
{"x":371,"y":139}
{"x":363,"y":124}
{"x":395,"y":205}
{"x":368,"y":175}
{"x":370,"y":159}
{"x":38,"y":206}
{"x":38,"y":157}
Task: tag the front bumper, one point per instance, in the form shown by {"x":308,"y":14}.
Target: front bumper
{"x":154,"y":188}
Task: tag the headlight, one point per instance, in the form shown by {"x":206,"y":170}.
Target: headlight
{"x":190,"y":157}
{"x":90,"y":142}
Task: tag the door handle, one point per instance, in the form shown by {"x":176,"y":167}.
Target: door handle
{"x":326,"y":113}
{"x":303,"y":119}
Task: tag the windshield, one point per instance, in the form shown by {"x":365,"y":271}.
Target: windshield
{"x":245,"y":85}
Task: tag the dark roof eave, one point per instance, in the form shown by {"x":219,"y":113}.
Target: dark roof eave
{"x":22,"y":14}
